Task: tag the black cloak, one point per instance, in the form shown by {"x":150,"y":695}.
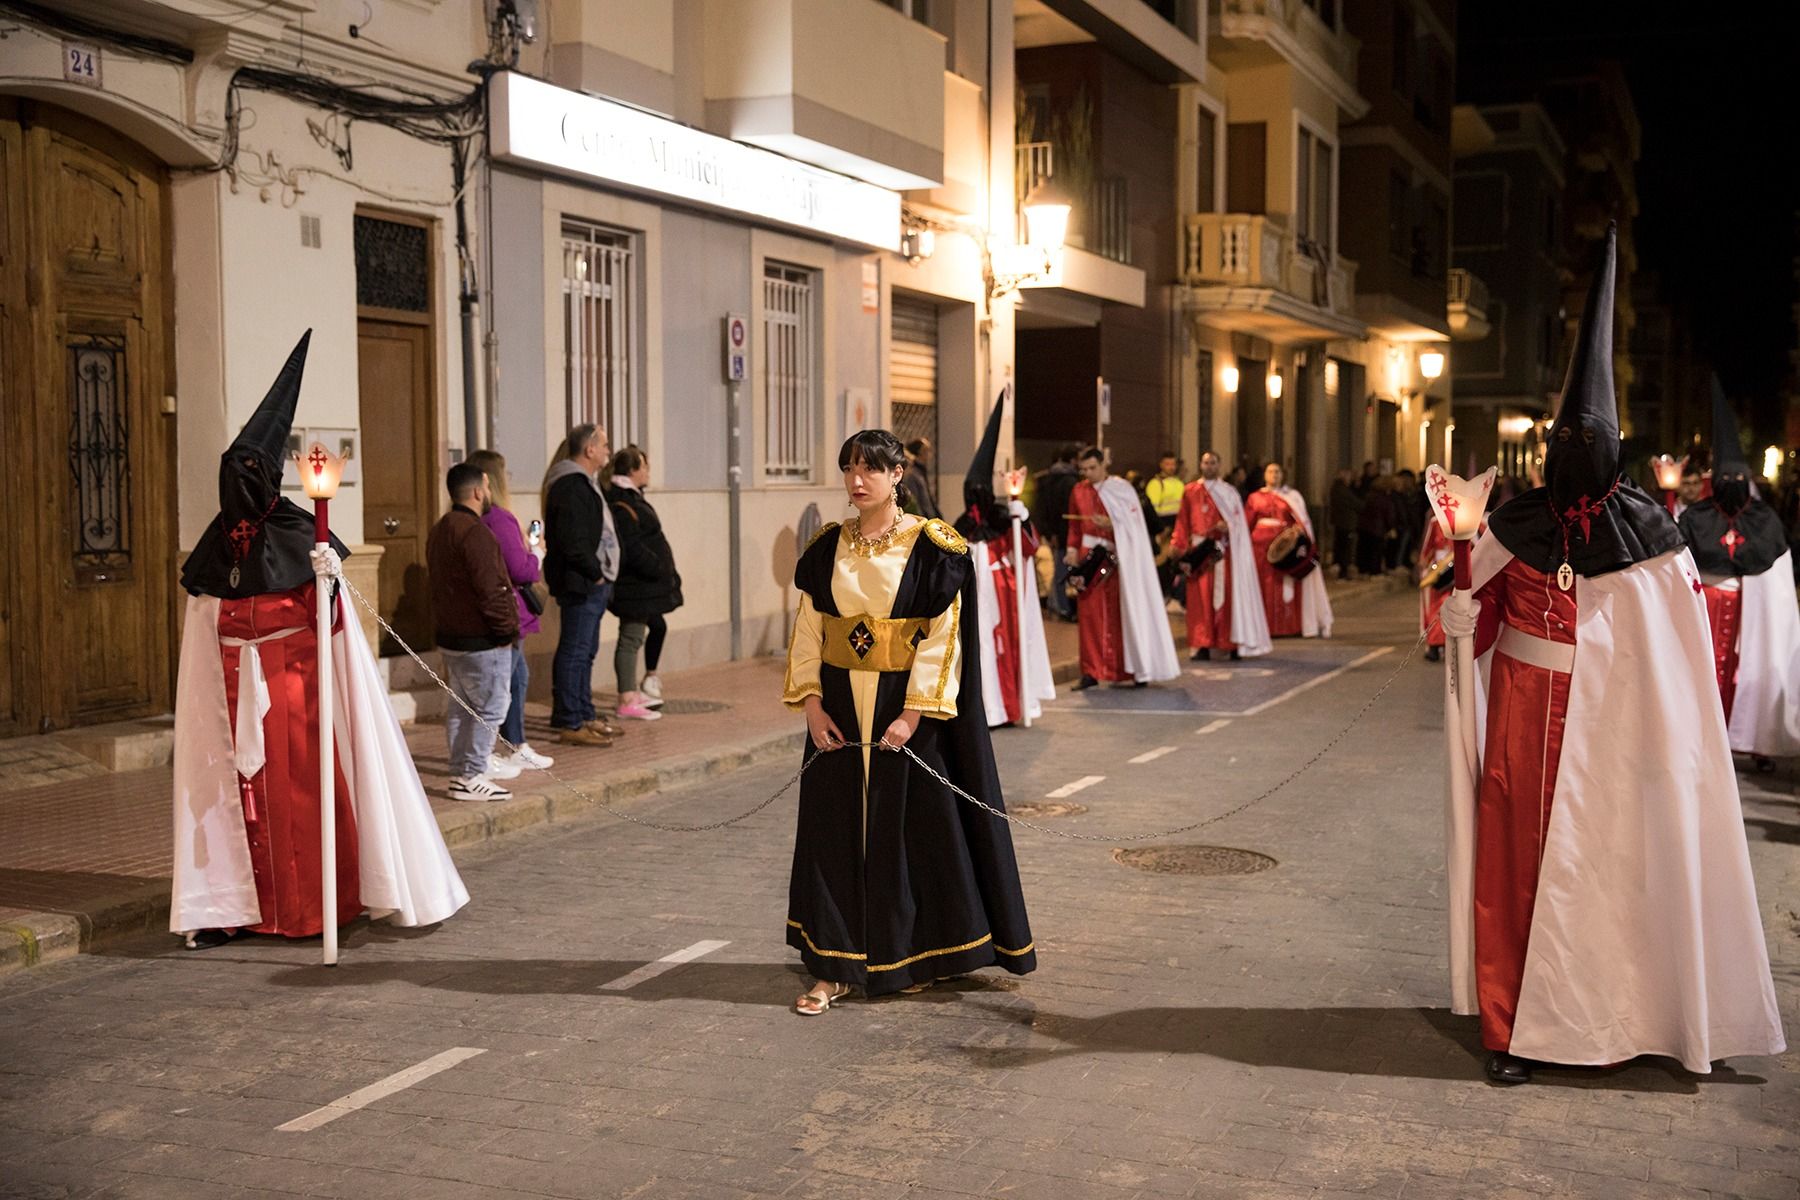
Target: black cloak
{"x":259,"y":534}
{"x":937,"y":893}
{"x":1587,"y":514}
{"x":1734,"y":532}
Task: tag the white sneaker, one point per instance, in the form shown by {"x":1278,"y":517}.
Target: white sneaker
{"x":530,"y":759}
{"x":650,"y":692}
{"x":502,"y":768}
{"x":478,"y":787}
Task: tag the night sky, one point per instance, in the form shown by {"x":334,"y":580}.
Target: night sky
{"x":1717,"y":89}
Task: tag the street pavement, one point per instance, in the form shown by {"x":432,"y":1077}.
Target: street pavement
{"x":609,"y":1017}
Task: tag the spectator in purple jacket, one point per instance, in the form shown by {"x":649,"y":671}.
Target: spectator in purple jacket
{"x":523,"y":565}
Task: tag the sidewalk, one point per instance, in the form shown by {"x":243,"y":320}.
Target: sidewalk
{"x":85,"y":852}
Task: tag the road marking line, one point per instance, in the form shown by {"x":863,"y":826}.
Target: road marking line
{"x":1069,"y":789}
{"x":1214,"y":726}
{"x":1153,"y":755}
{"x":667,"y":962}
{"x":380,"y":1089}
{"x":1314,"y":682}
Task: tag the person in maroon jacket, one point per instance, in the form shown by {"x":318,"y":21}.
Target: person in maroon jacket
{"x":523,"y":567}
{"x":477,"y":621}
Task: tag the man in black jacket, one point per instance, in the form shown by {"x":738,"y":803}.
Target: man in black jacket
{"x":580,"y":564}
{"x":1050,"y":513}
{"x":476,"y":622}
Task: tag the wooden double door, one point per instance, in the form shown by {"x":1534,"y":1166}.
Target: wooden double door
{"x":87,"y":539}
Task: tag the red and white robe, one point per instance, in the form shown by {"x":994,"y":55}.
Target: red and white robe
{"x":1098,"y":608}
{"x":1614,"y":913}
{"x":1755,"y":624}
{"x":1435,"y":548}
{"x":1224,"y":603}
{"x":1003,"y":643}
{"x":246,"y":778}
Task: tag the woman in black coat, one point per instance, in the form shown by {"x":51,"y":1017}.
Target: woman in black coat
{"x":647,"y":588}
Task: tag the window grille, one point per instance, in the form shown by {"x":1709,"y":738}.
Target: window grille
{"x":99,"y":451}
{"x":790,"y":398}
{"x":600,"y":356}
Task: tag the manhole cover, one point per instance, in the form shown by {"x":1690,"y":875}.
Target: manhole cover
{"x":1054,"y":808}
{"x":688,"y":708}
{"x":1193,"y":860}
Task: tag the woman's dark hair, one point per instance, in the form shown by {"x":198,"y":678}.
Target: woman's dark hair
{"x":628,"y":459}
{"x":873,"y":448}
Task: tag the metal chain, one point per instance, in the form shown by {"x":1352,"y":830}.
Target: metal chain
{"x":806,"y":765}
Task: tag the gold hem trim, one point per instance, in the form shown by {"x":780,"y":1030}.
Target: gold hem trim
{"x":906,"y":962}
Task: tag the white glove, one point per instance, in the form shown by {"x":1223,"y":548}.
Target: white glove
{"x":1459,"y":614}
{"x":326,"y":562}
{"x":1018,"y":509}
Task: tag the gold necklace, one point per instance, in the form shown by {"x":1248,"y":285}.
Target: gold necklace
{"x":869,"y":547}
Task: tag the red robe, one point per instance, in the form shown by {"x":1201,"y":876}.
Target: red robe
{"x":1724,"y":613}
{"x":1006,"y":634}
{"x":1527,"y":708}
{"x":1268,"y":515}
{"x":1431,"y":599}
{"x":1208,"y":626}
{"x":281,"y":801}
{"x":1098,"y":607}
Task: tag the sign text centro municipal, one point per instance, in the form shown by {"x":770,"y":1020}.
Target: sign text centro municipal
{"x":575,"y":134}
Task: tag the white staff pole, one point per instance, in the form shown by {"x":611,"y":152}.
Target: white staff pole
{"x":320,"y":471}
{"x":1019,"y":567}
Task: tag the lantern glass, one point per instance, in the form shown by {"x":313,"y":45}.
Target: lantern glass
{"x":1431,"y":364}
{"x":1459,"y":504}
{"x":1047,"y":226}
{"x":320,"y":472}
{"x":1668,"y":472}
{"x":1015,"y":482}
{"x":1274,"y":385}
{"x":1229,"y":378}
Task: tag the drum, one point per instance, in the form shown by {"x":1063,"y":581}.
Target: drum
{"x":1201,"y":557}
{"x":1293,"y":553}
{"x":1092,"y":570}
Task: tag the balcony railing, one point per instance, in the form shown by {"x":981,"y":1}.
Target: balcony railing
{"x":1467,"y":290}
{"x":1033,"y":163}
{"x":1109,"y":220}
{"x":1244,"y":250}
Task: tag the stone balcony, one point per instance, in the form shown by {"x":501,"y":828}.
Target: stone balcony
{"x":1247,"y":272}
{"x":1467,"y":305}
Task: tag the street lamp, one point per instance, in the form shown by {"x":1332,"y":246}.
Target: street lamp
{"x":1431,"y":363}
{"x":1274,"y":385}
{"x":1047,"y":218}
{"x":320,"y":473}
{"x":1228,"y":378}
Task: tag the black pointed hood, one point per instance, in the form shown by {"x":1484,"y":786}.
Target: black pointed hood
{"x":1730,"y":469}
{"x":1732,"y":532}
{"x":1587,"y":513}
{"x":983,"y":516}
{"x":260,"y":541}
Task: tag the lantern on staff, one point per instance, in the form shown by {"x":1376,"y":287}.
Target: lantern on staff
{"x":1668,"y":472}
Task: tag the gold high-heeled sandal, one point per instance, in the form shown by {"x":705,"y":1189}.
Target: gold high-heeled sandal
{"x":812,"y":1004}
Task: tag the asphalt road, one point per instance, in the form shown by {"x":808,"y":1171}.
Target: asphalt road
{"x":609,"y":1017}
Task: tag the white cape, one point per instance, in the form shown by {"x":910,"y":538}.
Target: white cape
{"x":1315,"y":604}
{"x":1765,"y":714}
{"x":1036,"y":649}
{"x":405,"y":869}
{"x":1149,"y":646}
{"x":1646,"y":937}
{"x":1249,"y":623}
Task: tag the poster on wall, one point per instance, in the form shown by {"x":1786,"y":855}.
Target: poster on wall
{"x":859,"y":410}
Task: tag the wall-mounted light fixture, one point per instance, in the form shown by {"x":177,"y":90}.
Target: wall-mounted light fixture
{"x":1431,"y":363}
{"x":918,"y":243}
{"x":1228,"y":379}
{"x":1046,"y":212}
{"x":1274,"y":385}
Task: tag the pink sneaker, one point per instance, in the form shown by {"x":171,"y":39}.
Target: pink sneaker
{"x":633,"y":708}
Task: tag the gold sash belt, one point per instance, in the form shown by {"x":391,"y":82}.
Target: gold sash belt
{"x":862,"y":643}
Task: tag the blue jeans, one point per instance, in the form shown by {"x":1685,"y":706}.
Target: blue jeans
{"x":479,"y":677}
{"x":513,"y":729}
{"x":572,"y":670}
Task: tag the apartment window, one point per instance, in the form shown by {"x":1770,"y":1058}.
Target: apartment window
{"x":1403,"y":51}
{"x":601,"y":366}
{"x":917,"y":10}
{"x":1206,"y":151}
{"x":1312,"y":200}
{"x":790,"y":387}
{"x":1399,"y":220}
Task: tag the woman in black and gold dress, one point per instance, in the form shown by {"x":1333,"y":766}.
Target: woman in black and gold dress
{"x":897,"y":882}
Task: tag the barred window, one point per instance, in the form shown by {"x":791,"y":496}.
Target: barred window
{"x":790,"y":387}
{"x":600,"y":330}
